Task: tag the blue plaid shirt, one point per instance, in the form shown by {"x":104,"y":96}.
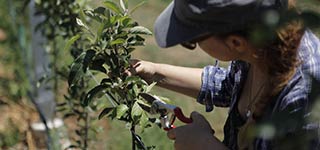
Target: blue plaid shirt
{"x":222,"y":87}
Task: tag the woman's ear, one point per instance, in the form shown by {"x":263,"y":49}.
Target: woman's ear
{"x":237,"y":43}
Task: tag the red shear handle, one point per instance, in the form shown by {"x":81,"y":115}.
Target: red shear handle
{"x":181,"y":116}
{"x":171,"y":127}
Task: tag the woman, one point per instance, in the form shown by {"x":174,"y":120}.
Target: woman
{"x":266,"y":85}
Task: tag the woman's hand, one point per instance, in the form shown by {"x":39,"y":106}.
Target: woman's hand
{"x":180,"y":79}
{"x":144,"y":69}
{"x":194,"y":136}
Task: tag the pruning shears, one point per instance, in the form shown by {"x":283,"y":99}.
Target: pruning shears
{"x":164,"y":109}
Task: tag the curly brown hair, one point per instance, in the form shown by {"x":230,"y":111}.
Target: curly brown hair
{"x":284,"y":55}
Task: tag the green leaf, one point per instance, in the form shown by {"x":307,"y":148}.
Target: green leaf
{"x":105,"y":112}
{"x":70,"y":42}
{"x":136,"y":41}
{"x":144,"y":120}
{"x":130,"y":50}
{"x":121,"y":110}
{"x":96,"y":14}
{"x":100,"y":10}
{"x":136,"y":109}
{"x":140,"y":30}
{"x":88,"y":59}
{"x":143,"y":102}
{"x":136,"y":112}
{"x":124,"y":4}
{"x":90,"y":14}
{"x":93,"y":92}
{"x":80,"y":23}
{"x":106,"y":81}
{"x":118,"y":41}
{"x":132,"y":79}
{"x":99,"y":33}
{"x":136,"y":90}
{"x":125,"y":21}
{"x":112,"y":6}
{"x":98,"y":65}
{"x":148,"y":89}
{"x":76,"y":71}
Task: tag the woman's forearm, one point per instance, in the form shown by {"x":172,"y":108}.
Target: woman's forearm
{"x":180,"y":79}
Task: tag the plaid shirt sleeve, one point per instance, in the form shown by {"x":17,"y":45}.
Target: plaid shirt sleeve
{"x":216,"y":87}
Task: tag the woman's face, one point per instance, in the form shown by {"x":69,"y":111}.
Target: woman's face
{"x":219,"y":49}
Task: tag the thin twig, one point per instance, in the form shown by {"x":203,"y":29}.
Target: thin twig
{"x":133,"y":136}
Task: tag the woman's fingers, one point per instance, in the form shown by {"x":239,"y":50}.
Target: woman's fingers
{"x":200,"y":120}
{"x":134,"y":68}
{"x":133,"y":62}
{"x":171,"y":134}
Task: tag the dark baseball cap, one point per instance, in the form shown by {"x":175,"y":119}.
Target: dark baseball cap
{"x":185,"y":20}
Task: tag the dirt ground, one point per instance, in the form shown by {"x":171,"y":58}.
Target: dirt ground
{"x":15,"y":121}
{"x":16,"y":115}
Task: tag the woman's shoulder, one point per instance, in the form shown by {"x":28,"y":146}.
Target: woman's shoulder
{"x":295,"y":95}
{"x":309,"y":54}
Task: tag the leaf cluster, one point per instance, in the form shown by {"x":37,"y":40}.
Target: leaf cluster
{"x":113,"y":36}
{"x":60,"y":16}
{"x":110,"y":35}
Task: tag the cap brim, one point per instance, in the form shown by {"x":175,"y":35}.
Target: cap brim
{"x":169,"y":31}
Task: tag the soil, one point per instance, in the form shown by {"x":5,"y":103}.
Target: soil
{"x":15,"y":120}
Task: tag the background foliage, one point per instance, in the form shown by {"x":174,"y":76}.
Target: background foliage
{"x":62,"y":28}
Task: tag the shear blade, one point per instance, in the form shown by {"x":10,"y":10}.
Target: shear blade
{"x":149,"y":98}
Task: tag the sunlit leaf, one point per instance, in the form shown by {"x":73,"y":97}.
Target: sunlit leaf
{"x":106,"y":81}
{"x":80,"y":23}
{"x":124,"y":4}
{"x":121,"y":110}
{"x":132,"y":79}
{"x":112,"y":6}
{"x":99,"y":33}
{"x":118,"y":41}
{"x":71,"y":42}
{"x":136,"y":89}
{"x":144,"y":120}
{"x":140,"y":30}
{"x":148,"y":89}
{"x":136,"y":109}
{"x":125,"y":21}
